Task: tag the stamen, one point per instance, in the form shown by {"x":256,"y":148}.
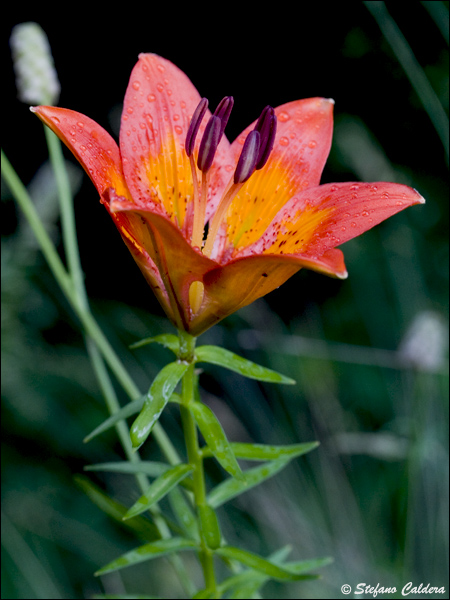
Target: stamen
{"x":255,"y":153}
{"x":223,"y":111}
{"x":248,"y":158}
{"x":209,"y":143}
{"x":267,"y":127}
{"x":194,"y":125}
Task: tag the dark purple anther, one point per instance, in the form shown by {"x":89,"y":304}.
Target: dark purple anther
{"x":209,"y":143}
{"x":197,"y":117}
{"x":248,"y":158}
{"x":267,"y":127}
{"x":223,"y":111}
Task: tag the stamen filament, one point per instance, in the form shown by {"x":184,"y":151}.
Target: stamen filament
{"x":218,"y":217}
{"x":199,"y":212}
{"x":195,"y":226}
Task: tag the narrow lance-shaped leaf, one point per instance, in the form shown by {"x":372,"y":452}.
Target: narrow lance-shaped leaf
{"x":233,"y":362}
{"x":248,"y":582}
{"x":148,"y":552}
{"x":261,"y":564}
{"x":215,"y":437}
{"x":126,"y":411}
{"x":158,"y":396}
{"x":168,"y":340}
{"x":158,"y":489}
{"x":266,"y":452}
{"x":148,"y":467}
{"x":230,"y":488}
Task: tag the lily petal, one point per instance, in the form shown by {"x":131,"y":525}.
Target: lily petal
{"x":301,"y":148}
{"x":159,"y":103}
{"x":93,"y":147}
{"x":320,"y":218}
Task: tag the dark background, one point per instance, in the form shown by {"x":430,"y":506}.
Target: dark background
{"x":378,"y":509}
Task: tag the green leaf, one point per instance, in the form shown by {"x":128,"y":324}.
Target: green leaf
{"x":148,"y":552}
{"x":158,"y":489}
{"x":183,"y":513}
{"x":265,"y":452}
{"x":303,"y":566}
{"x":209,"y":526}
{"x":150,"y":468}
{"x":158,"y":396}
{"x":215,"y":437}
{"x":229,"y":360}
{"x":248,"y":582}
{"x":129,"y":409}
{"x":230,"y":488}
{"x":168,"y":340}
{"x":258,"y":563}
{"x":142,"y":527}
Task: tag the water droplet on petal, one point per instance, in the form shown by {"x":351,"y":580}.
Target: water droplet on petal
{"x":283,"y":116}
{"x":312,"y":144}
{"x":136,"y":85}
{"x":178,"y":129}
{"x":160,"y":68}
{"x":151,"y":97}
{"x":283,"y":141}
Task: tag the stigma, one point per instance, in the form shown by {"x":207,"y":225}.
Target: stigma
{"x":254,"y":154}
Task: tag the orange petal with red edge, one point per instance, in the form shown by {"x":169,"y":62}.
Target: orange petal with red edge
{"x":301,"y":148}
{"x":159,"y":103}
{"x":326,"y":216}
{"x":91,"y":145}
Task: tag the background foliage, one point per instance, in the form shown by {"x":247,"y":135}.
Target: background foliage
{"x":368,"y":353}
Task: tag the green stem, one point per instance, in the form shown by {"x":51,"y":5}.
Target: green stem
{"x":195,"y":457}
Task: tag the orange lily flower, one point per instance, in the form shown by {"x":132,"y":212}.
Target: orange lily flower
{"x":267,"y":215}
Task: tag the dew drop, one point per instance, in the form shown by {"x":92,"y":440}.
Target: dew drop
{"x":365,"y":213}
{"x":353,"y":224}
{"x":55,"y":119}
{"x":151,"y":97}
{"x":176,"y":117}
{"x":160,"y":68}
{"x":399,"y":203}
{"x":283,"y":116}
{"x":343,"y":228}
{"x":136,"y":85}
{"x":178,"y":129}
{"x":129,"y":110}
{"x":283,"y":141}
{"x":160,"y":87}
{"x":312,"y":144}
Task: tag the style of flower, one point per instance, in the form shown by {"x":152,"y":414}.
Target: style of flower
{"x":212,"y":225}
